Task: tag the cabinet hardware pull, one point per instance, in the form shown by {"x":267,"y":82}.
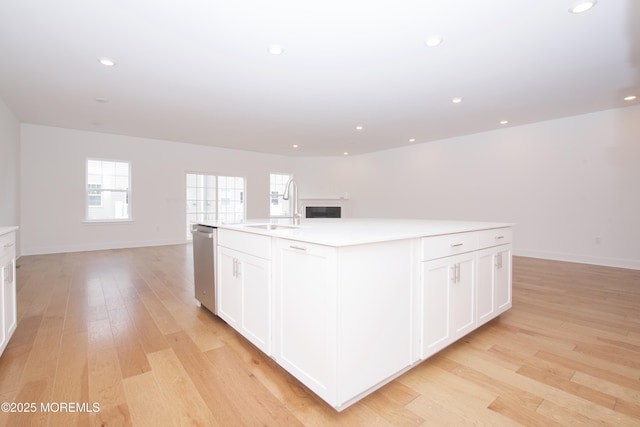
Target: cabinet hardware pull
{"x":455,"y":245}
{"x":236,"y":267}
{"x":8,"y":245}
{"x":455,"y":273}
{"x":300,"y":248}
{"x":499,"y":237}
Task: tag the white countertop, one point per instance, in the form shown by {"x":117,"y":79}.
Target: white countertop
{"x":351,"y":231}
{"x":5,"y":230}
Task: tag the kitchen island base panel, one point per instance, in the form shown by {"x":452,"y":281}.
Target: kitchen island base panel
{"x":343,"y":316}
{"x":345,"y":319}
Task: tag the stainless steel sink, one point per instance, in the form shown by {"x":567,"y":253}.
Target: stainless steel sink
{"x":272,"y":226}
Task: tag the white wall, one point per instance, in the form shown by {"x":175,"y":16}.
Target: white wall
{"x":9,"y":164}
{"x":52,"y":174}
{"x":570,"y":185}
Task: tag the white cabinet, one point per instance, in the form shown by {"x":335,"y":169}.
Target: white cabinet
{"x":448,"y":301}
{"x":305,"y":314}
{"x":8,"y":317}
{"x":466,"y":281}
{"x":494,"y":274}
{"x":343,"y":316}
{"x":244,"y":285}
{"x":229,"y":296}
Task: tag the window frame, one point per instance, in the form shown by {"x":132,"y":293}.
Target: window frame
{"x":219,"y":203}
{"x":289,"y":208}
{"x":127,"y":192}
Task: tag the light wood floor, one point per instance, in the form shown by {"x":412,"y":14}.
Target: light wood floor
{"x":121,"y":328}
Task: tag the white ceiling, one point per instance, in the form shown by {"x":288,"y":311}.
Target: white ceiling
{"x":198,"y":71}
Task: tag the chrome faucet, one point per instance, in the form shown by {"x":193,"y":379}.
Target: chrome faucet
{"x":296,"y":212}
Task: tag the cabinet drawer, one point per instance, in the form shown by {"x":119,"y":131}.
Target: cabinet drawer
{"x":8,"y":246}
{"x":448,"y":244}
{"x":494,"y":237}
{"x":249,"y":243}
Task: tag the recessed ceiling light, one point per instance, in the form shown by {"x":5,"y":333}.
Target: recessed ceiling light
{"x":275,"y":50}
{"x":433,"y":41}
{"x":582,"y":6}
{"x":346,"y":153}
{"x":295,"y":146}
{"x":456,"y":100}
{"x":107,"y":62}
{"x":359,"y":128}
{"x":630,"y":98}
{"x":412,"y":140}
{"x":504,"y":122}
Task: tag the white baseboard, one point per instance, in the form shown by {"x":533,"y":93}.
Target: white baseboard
{"x":97,"y":247}
{"x":633,"y":264}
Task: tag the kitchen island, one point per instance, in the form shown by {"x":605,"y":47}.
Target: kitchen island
{"x":348,"y":305}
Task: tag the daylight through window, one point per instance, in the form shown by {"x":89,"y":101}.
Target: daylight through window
{"x":277,"y":185}
{"x":108,"y":190}
{"x":212,"y":197}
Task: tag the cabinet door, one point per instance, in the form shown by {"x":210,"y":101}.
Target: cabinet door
{"x":485,"y":307}
{"x":305,"y":317}
{"x":255,"y":277}
{"x":448,"y":292}
{"x":502,"y":278}
{"x":4,"y":339}
{"x":494,"y":282}
{"x":8,"y":317}
{"x":463,"y":318}
{"x":229,"y":287}
{"x":436,"y":332}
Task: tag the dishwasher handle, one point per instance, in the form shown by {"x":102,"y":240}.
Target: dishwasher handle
{"x":200,"y":233}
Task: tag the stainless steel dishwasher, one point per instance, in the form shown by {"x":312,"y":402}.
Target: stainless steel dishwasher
{"x":204,"y":264}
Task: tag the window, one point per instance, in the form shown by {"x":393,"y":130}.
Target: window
{"x":95,"y":195}
{"x":211,"y":198}
{"x":277,"y":185}
{"x":108,"y":188}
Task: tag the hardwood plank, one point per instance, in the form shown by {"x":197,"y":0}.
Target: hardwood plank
{"x":586,"y":364}
{"x":105,"y":378}
{"x":145,"y":401}
{"x":390,"y":403}
{"x":99,"y":334}
{"x":627,"y":401}
{"x":71,"y":381}
{"x":509,"y":407}
{"x":547,"y":377}
{"x":184,"y":403}
{"x":133,"y":360}
{"x":14,"y":360}
{"x":164,"y":321}
{"x":147,"y":332}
